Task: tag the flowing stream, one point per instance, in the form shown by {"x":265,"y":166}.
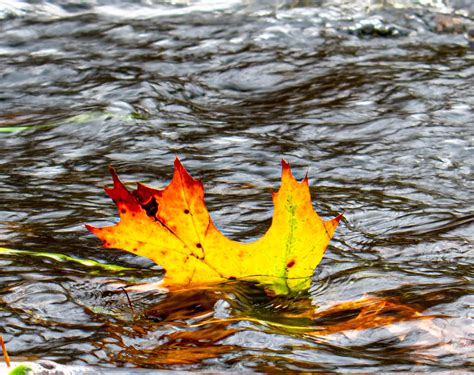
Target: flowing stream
{"x":373,"y":99}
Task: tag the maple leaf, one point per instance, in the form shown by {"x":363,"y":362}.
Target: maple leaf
{"x":173,"y":228}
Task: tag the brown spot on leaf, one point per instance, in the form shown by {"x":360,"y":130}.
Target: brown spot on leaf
{"x":151,"y":208}
{"x":186,"y":211}
{"x":291,"y":263}
{"x":199,"y":246}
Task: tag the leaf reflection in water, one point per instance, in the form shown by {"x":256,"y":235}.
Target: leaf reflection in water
{"x":192,"y":326}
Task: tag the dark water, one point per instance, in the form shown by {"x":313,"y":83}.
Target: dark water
{"x":375,"y":102}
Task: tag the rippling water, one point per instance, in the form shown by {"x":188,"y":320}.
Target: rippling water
{"x":375,"y":102}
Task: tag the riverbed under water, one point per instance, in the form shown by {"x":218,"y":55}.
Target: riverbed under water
{"x":374,"y":102}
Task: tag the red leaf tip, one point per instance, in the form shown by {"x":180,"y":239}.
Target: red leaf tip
{"x":285,"y":168}
{"x":115,"y":178}
{"x":338,"y":218}
{"x":120,"y":194}
{"x":90,"y":228}
{"x":177,"y":161}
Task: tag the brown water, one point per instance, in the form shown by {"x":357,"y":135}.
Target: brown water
{"x":377,"y":104}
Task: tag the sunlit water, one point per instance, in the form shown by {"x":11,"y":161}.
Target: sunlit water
{"x":375,"y":103}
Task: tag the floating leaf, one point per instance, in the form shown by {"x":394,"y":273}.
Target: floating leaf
{"x":173,"y":228}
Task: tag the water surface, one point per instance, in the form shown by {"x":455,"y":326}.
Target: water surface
{"x":375,"y":103}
